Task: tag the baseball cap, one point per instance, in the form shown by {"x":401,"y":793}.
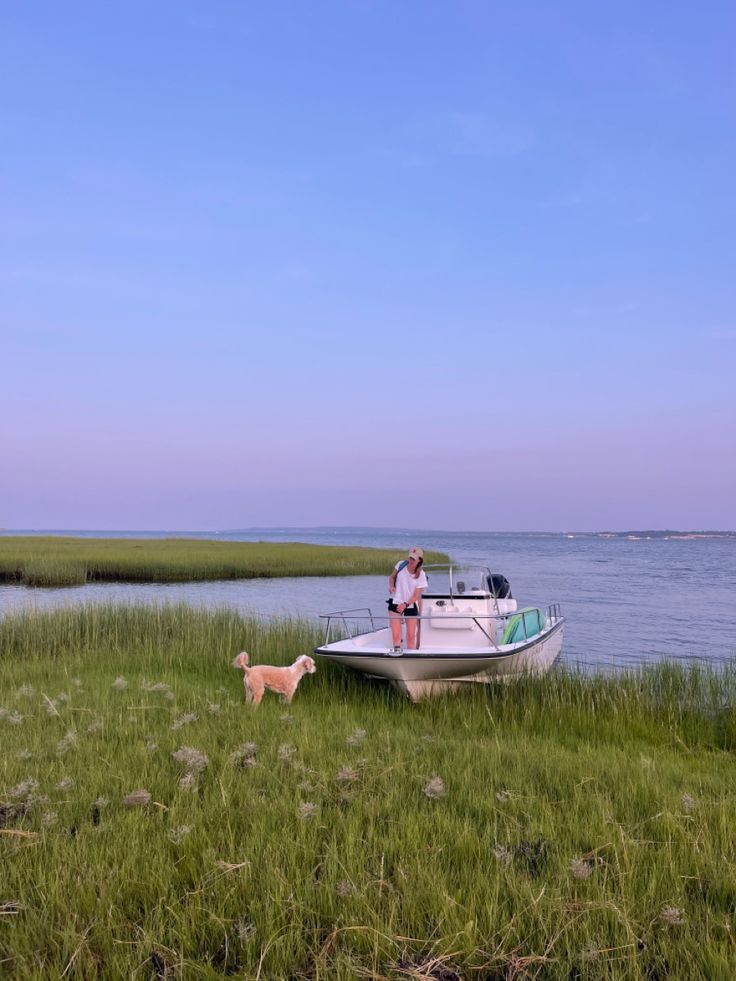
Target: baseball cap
{"x":416,"y":553}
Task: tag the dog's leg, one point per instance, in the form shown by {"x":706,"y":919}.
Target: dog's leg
{"x":248,"y":691}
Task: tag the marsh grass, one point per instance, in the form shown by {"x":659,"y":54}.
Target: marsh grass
{"x":557,"y":828}
{"x":58,"y":561}
{"x":52,"y":572}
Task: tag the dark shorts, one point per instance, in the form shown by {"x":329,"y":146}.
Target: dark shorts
{"x":410,"y":611}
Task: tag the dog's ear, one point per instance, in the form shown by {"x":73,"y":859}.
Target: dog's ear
{"x":310,"y":665}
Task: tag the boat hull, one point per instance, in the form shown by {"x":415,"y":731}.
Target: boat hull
{"x":421,"y":674}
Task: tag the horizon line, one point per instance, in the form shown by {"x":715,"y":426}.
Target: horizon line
{"x":374,"y":528}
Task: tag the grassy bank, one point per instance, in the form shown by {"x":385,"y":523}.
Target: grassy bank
{"x":559,"y":828}
{"x":56,"y":561}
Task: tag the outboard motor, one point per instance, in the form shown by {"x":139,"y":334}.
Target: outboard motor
{"x":499,"y":586}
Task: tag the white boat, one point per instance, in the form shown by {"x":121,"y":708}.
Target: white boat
{"x":470,"y":631}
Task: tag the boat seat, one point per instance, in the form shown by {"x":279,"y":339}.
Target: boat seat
{"x":515,"y":632}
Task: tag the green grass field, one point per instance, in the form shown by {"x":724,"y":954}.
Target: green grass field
{"x":57,"y":561}
{"x":557,"y":828}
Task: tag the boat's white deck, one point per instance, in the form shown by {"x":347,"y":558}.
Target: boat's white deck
{"x":448,"y":644}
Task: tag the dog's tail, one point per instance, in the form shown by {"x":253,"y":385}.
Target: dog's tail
{"x":241,"y":661}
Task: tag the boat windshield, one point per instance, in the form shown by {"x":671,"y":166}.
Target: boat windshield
{"x":454,"y":580}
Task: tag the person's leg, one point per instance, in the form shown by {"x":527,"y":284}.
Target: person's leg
{"x":411,"y":633}
{"x":395,"y":621}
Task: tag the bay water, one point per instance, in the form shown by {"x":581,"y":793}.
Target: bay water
{"x":628,"y":601}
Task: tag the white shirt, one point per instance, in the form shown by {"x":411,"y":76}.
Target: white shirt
{"x":406,"y":584}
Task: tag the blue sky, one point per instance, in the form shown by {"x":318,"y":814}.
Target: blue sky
{"x":440,"y":265}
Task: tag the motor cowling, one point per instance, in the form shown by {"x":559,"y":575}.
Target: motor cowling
{"x":499,"y":586}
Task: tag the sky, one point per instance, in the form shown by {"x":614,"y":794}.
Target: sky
{"x":450,"y":265}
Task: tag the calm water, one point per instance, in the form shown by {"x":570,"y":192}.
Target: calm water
{"x":626,"y":602}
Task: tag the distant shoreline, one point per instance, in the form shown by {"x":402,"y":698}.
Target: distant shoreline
{"x":662,"y":535}
{"x":666,"y":534}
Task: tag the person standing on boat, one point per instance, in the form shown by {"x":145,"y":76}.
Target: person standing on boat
{"x":405,"y":585}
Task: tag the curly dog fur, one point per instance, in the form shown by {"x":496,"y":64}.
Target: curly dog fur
{"x":284,"y":681}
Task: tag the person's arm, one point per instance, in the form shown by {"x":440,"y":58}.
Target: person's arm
{"x":392,"y":581}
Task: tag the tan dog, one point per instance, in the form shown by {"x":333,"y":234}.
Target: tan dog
{"x":281,"y":680}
